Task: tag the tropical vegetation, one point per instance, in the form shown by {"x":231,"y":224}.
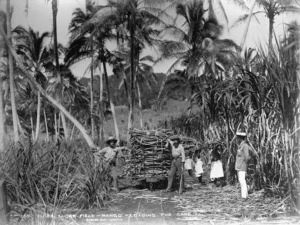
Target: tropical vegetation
{"x":228,"y":88}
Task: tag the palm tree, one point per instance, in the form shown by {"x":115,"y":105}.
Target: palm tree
{"x":198,"y":47}
{"x":271,"y":9}
{"x":79,"y":42}
{"x":145,"y":75}
{"x":60,"y":88}
{"x":43,"y":92}
{"x":32,"y":47}
{"x":132,"y":18}
{"x":90,"y":40}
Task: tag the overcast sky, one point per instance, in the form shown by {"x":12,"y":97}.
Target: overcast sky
{"x":39,"y":17}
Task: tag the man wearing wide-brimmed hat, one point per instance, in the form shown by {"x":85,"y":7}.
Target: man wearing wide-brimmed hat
{"x":242,"y":157}
{"x":178,"y":159}
{"x":110,"y":154}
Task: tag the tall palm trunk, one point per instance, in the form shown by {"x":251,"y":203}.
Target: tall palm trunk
{"x":140,"y":104}
{"x":11,"y":77}
{"x":271,"y":23}
{"x":92,"y":98}
{"x":2,"y":103}
{"x":38,"y":118}
{"x":111,"y":103}
{"x":2,"y":118}
{"x":101,"y":112}
{"x":132,"y":78}
{"x":60,"y":91}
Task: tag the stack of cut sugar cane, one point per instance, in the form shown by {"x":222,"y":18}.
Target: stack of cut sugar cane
{"x":149,"y":156}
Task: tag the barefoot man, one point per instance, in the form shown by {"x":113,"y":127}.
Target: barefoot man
{"x":177,"y":163}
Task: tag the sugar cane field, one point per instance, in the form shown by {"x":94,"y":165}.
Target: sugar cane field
{"x":149,"y":112}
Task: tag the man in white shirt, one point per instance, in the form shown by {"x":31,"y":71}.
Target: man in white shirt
{"x":178,"y":160}
{"x":110,"y":154}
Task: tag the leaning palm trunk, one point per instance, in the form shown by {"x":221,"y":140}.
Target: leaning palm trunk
{"x":44,"y":93}
{"x":111,"y":103}
{"x":11,"y":77}
{"x":38,"y":118}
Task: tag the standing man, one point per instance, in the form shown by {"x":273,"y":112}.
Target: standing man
{"x":110,"y":154}
{"x":177,"y":162}
{"x":242,"y":158}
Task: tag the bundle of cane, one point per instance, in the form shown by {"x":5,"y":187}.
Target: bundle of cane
{"x":149,"y":156}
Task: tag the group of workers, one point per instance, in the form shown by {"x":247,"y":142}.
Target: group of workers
{"x":179,"y":162}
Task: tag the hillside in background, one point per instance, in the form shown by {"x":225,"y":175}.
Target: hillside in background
{"x":118,"y":93}
{"x":172,"y":109}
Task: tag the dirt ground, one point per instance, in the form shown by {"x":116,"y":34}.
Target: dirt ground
{"x":199,"y":204}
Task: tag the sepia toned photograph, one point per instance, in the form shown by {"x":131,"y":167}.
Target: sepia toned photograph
{"x":146,"y":112}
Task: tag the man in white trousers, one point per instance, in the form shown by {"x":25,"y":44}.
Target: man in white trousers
{"x":242,"y":158}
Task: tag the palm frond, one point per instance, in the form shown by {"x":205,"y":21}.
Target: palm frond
{"x":175,"y":32}
{"x":243,"y":18}
{"x":168,"y":49}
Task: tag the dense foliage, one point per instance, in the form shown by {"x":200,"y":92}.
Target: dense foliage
{"x":229,"y":87}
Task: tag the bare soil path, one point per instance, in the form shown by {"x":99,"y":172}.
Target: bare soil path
{"x":200,"y":204}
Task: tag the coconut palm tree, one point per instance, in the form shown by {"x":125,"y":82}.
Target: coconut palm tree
{"x":271,"y":9}
{"x":56,"y":59}
{"x":77,"y":41}
{"x":132,"y":18}
{"x":144,"y":76}
{"x":33,"y":49}
{"x":90,"y":40}
{"x":197,"y":47}
{"x":43,"y":92}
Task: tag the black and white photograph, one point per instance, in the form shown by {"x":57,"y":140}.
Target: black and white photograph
{"x":146,"y":112}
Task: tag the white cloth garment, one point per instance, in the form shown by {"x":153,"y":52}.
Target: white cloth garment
{"x":216,"y":169}
{"x":198,"y":167}
{"x":242,"y":180}
{"x":188,"y":164}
